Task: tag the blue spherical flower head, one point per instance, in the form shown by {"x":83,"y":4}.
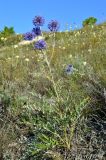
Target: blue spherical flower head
{"x":69,"y":69}
{"x":28,"y":36}
{"x":37,"y":31}
{"x":41,"y":44}
{"x":38,"y":21}
{"x":53,"y":26}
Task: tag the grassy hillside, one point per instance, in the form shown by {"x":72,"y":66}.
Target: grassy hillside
{"x":46,"y":113}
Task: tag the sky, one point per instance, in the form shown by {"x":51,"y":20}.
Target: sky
{"x":20,"y":13}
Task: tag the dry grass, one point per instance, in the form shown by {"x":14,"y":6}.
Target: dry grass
{"x":28,"y":95}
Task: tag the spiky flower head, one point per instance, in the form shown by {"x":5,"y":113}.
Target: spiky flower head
{"x":38,"y":21}
{"x":69,"y":69}
{"x":41,"y":44}
{"x":28,"y":36}
{"x":53,"y":26}
{"x":36,"y":31}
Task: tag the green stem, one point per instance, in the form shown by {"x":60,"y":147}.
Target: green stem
{"x":53,"y":46}
{"x":52,"y":78}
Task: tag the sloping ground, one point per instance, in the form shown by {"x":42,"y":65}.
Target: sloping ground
{"x":90,"y":139}
{"x":90,"y":136}
{"x":26,"y":91}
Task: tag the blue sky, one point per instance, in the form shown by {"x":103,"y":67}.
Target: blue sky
{"x":19,"y":13}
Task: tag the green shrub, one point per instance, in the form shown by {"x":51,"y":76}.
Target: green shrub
{"x":89,"y":21}
{"x":11,"y":40}
{"x":7,"y":31}
{"x":5,"y":34}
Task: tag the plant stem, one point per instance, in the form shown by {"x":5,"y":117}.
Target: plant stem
{"x":52,"y":78}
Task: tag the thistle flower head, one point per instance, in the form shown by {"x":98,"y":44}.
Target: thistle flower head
{"x":41,"y":44}
{"x":36,"y":31}
{"x":69,"y":69}
{"x":53,"y":26}
{"x":38,"y":21}
{"x":28,"y":36}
